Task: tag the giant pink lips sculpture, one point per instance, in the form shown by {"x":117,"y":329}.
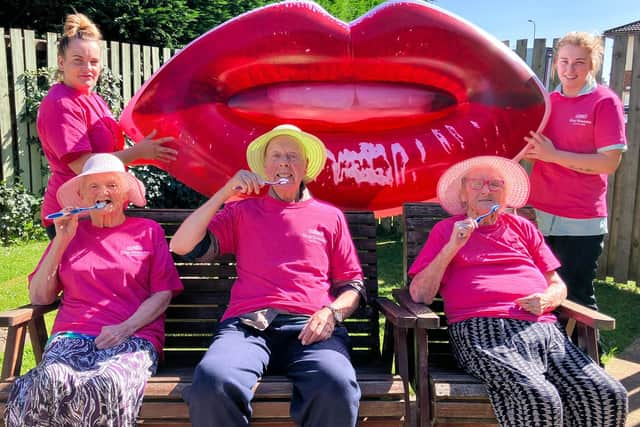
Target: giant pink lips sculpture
{"x":397,"y":96}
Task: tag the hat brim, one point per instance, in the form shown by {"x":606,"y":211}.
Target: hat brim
{"x":314,"y":149}
{"x":68,"y":194}
{"x":450,"y":183}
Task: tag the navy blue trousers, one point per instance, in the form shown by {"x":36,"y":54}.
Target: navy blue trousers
{"x":325,"y":390}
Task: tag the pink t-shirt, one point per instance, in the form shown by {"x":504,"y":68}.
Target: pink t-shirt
{"x":106,"y":273}
{"x":71,"y":124}
{"x":499,"y":264}
{"x":588,"y":123}
{"x":289,"y":255}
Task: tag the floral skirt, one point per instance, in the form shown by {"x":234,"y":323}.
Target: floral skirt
{"x":78,"y":385}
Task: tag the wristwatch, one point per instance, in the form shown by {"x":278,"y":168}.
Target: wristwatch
{"x":337,"y":314}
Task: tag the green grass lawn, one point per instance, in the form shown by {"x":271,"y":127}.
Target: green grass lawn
{"x":617,"y":300}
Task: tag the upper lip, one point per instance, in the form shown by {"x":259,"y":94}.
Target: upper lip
{"x":248,"y":74}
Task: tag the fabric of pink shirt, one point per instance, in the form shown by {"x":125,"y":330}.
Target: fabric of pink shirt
{"x":69,"y":125}
{"x":499,"y":264}
{"x":589,"y":123}
{"x":106,"y":274}
{"x":289,"y":255}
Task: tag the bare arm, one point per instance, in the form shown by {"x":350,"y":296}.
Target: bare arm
{"x":541,"y":148}
{"x":148,"y":311}
{"x":149,"y":148}
{"x":424,"y":286}
{"x":543,"y":302}
{"x":44,"y":285}
{"x":193,"y":229}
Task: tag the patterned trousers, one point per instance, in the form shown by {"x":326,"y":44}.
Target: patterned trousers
{"x":78,"y":385}
{"x":535,"y":376}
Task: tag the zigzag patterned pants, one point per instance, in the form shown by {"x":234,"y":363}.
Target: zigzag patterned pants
{"x":535,"y":376}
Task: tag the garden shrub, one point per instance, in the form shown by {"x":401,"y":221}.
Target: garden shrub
{"x":19,"y":215}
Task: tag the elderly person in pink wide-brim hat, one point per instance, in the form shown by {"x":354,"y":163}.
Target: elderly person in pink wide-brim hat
{"x":498,"y":281}
{"x":115,"y":277}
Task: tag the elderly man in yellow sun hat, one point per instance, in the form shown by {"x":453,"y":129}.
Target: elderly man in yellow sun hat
{"x":298,"y":277}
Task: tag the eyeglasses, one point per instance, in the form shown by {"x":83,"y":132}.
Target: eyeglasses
{"x":478,"y":183}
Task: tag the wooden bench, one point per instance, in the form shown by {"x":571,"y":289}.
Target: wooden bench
{"x":192,"y":318}
{"x":446,"y":395}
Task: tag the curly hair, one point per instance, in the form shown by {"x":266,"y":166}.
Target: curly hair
{"x":77,"y":26}
{"x":592,"y":43}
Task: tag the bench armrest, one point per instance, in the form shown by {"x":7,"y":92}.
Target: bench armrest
{"x":395,"y":314}
{"x":586,"y":316}
{"x":17,"y":321}
{"x":425,"y":317}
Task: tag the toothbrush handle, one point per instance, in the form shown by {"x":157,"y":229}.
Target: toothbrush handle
{"x":57,"y":215}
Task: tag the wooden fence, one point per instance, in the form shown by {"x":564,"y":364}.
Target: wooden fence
{"x":20,"y":51}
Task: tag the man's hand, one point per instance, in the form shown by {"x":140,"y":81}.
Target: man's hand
{"x":319,"y":327}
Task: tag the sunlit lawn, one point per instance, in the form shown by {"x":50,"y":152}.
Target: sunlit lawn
{"x":618,"y":300}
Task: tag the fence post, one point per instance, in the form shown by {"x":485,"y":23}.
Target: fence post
{"x":136,"y":67}
{"x":126,"y":72}
{"x":6,"y":138}
{"x":538,"y":58}
{"x":615,"y":193}
{"x":633,"y":139}
{"x":19,"y":102}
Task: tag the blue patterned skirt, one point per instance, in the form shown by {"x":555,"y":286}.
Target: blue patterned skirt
{"x":78,"y":385}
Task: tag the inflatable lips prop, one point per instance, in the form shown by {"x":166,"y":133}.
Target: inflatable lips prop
{"x":397,"y":96}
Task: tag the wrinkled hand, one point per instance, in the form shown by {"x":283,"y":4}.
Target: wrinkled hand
{"x":155,"y":149}
{"x":113,"y":335}
{"x":66,"y":226}
{"x":245,"y":182}
{"x":461,"y":232}
{"x":539,"y":148}
{"x":537,"y":303}
{"x":319,"y":327}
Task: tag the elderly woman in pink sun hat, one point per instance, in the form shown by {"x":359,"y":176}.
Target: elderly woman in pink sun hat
{"x":116,"y":277}
{"x":499,"y":284}
{"x":299,"y":277}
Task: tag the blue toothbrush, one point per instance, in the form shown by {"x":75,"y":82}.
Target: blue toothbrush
{"x":493,"y":209}
{"x":75,"y":211}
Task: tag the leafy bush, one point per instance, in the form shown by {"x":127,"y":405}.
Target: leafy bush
{"x":164,"y":191}
{"x":19,"y":215}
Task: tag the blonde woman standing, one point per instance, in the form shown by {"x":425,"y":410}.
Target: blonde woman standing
{"x":75,"y":122}
{"x":581,"y":144}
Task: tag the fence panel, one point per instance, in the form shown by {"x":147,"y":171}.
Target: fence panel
{"x":19,"y":104}
{"x":35,"y":158}
{"x":633,"y":135}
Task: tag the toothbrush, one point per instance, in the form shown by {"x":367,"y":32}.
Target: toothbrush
{"x":99,"y":205}
{"x":279,"y":181}
{"x":493,"y":209}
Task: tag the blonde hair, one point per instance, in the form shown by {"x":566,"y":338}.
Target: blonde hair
{"x":592,"y":43}
{"x":77,"y":26}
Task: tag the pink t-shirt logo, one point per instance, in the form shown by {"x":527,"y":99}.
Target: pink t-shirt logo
{"x":580,"y":119}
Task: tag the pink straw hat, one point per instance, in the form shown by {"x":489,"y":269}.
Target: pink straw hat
{"x":68,"y":194}
{"x":515,"y":177}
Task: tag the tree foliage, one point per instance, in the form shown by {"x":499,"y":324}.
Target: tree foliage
{"x":170,"y":23}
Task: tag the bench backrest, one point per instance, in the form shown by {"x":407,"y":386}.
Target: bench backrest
{"x":193,"y":315}
{"x":418,"y":221}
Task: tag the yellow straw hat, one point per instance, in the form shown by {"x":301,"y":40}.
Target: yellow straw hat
{"x":314,"y":150}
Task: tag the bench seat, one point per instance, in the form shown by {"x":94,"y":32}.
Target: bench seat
{"x":381,"y":365}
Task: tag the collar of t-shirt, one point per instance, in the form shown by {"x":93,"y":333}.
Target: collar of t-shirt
{"x":589,"y":86}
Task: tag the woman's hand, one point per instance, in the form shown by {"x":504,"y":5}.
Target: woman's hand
{"x":112,"y":335}
{"x":66,"y":227}
{"x":538,"y":303}
{"x":540,"y":148}
{"x":155,"y":149}
{"x":461,"y":232}
{"x":319,"y":327}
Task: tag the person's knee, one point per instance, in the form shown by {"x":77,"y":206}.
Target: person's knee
{"x":209,"y":380}
{"x":339,"y":386}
